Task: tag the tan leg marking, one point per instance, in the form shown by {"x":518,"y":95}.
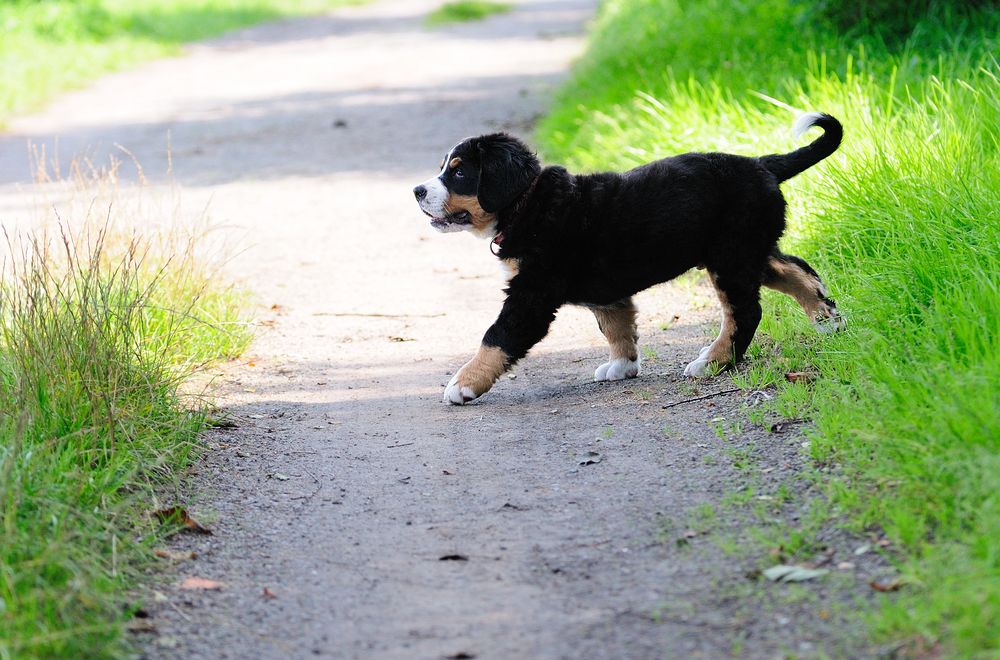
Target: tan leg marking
{"x":482,"y":222}
{"x":797,"y":283}
{"x":808,"y":290}
{"x":617,"y":323}
{"x":618,"y":326}
{"x":720,"y":351}
{"x":477,"y":376}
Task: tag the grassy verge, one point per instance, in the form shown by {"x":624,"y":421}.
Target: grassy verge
{"x":98,"y":335}
{"x":52,"y":45}
{"x":465,"y":10}
{"x":903,"y":222}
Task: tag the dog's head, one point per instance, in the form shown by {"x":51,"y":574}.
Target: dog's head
{"x":479,"y":177}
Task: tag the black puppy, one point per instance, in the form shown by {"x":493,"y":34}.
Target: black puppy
{"x":597,"y":239}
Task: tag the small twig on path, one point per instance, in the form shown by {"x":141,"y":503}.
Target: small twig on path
{"x":179,"y":611}
{"x":700,"y":398}
{"x":405,"y":444}
{"x":319,"y":486}
{"x":380,"y":316}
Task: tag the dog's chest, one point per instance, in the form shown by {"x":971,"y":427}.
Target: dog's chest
{"x":509,"y":268}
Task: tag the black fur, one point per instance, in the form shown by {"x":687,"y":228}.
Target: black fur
{"x":506,"y":170}
{"x":597,"y":239}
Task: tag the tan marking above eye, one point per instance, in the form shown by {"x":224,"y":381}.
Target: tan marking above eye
{"x":441,"y":164}
{"x":455,"y":162}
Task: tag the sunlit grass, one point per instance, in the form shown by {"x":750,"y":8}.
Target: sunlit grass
{"x":465,"y":10}
{"x":903,"y":222}
{"x":100,"y":330}
{"x":52,"y":45}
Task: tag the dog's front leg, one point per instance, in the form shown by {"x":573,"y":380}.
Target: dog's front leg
{"x":477,"y":376}
{"x":523,"y":321}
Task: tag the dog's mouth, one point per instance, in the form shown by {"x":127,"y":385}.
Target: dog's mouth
{"x":457,"y":218}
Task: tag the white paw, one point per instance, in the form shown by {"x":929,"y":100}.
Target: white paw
{"x":830,"y":324}
{"x":617,"y":369}
{"x":457,"y":394}
{"x":700,"y":367}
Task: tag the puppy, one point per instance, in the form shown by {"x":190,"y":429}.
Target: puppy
{"x":597,"y":239}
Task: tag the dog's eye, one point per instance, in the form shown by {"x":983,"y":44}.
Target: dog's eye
{"x":459,"y":173}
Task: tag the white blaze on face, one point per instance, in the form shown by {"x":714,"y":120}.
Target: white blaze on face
{"x":437,"y":195}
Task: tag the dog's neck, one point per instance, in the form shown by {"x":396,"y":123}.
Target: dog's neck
{"x":511,"y":216}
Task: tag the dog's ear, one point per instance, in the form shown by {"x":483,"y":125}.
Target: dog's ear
{"x":506,"y":169}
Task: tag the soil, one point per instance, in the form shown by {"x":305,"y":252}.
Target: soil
{"x":354,"y":513}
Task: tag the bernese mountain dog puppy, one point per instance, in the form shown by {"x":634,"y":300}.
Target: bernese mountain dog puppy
{"x":597,"y":239}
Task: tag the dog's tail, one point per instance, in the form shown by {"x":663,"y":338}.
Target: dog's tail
{"x":785,"y":166}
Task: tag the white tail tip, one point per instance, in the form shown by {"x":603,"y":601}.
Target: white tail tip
{"x":804,"y":122}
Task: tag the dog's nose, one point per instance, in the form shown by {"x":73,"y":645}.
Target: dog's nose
{"x":420,"y":192}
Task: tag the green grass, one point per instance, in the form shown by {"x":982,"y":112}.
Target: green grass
{"x":52,"y":45}
{"x":465,"y":10}
{"x":903,"y":222}
{"x":99,"y":335}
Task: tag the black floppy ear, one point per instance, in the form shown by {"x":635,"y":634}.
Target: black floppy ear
{"x":506,"y":169}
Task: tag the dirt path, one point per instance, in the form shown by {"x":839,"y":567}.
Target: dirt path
{"x":348,"y":483}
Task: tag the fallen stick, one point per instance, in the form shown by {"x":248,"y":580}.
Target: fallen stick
{"x":700,"y":398}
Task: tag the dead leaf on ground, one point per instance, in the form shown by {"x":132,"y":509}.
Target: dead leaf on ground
{"x":589,"y":458}
{"x":801,"y":376}
{"x":788,"y":573}
{"x":175,"y":555}
{"x":201,"y":584}
{"x":280,"y":477}
{"x":893,"y":585}
{"x":455,"y":557}
{"x":400,"y":339}
{"x":179,"y":515}
{"x":269,"y":594}
{"x":782,"y":426}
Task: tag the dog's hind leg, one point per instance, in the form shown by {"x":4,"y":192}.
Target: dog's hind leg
{"x":793,"y":276}
{"x":740,"y":298}
{"x":617,"y":322}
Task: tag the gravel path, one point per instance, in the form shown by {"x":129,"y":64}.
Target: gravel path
{"x":385,"y":523}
